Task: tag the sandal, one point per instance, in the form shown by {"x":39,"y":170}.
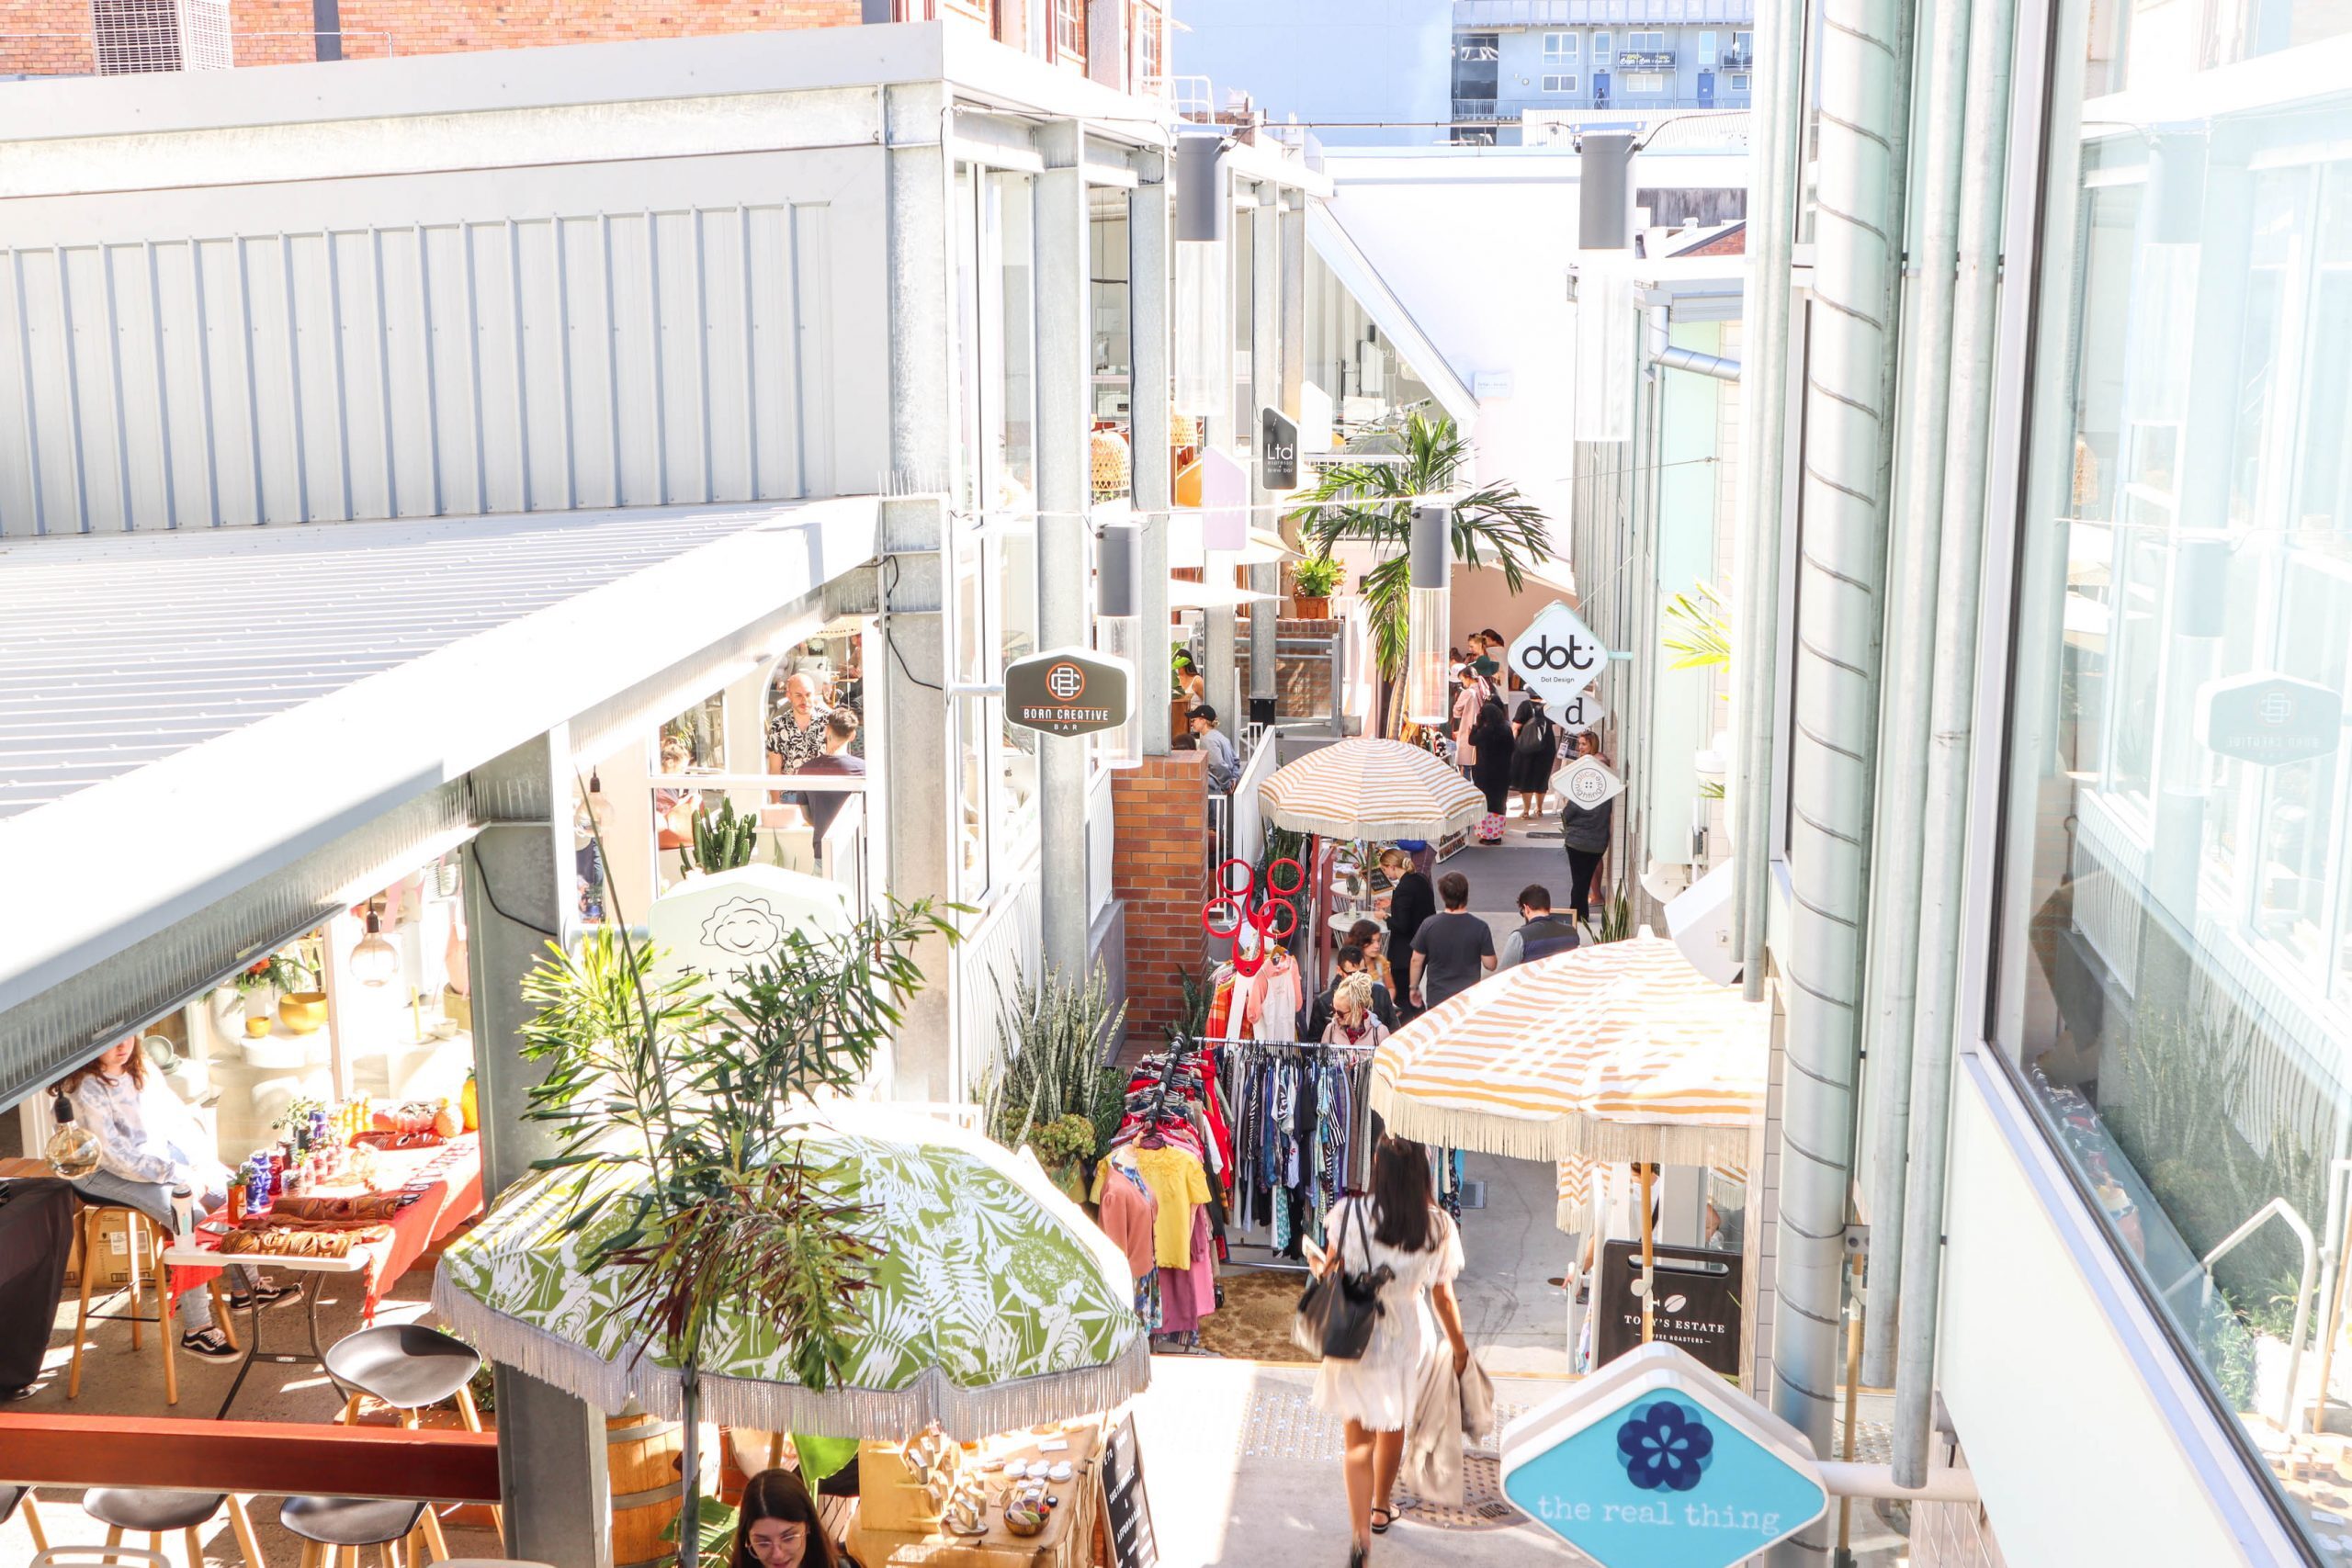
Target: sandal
{"x":265,"y":1292}
{"x":1381,"y":1520}
{"x":207,"y":1342}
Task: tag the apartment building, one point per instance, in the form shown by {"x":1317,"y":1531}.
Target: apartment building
{"x":1512,"y":58}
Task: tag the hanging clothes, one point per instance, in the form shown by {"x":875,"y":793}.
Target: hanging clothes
{"x":1302,"y":1134}
{"x":1274,"y":996}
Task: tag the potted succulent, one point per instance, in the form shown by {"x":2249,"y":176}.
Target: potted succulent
{"x":1311,"y":582}
{"x":1061,"y":1145}
{"x":236,"y":1207}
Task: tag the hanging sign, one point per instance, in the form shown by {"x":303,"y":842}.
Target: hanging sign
{"x":2268,"y":720}
{"x":1067,"y":691}
{"x":1697,"y":1306}
{"x":1557,"y":654}
{"x":1225,"y":501}
{"x":1586,"y":782}
{"x":1655,"y":1461}
{"x":720,"y":923}
{"x":1579,"y":713}
{"x":1127,"y":1508}
{"x":1277,"y":450}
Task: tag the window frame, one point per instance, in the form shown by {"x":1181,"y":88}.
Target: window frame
{"x":1563,"y":48}
{"x":1563,"y":83}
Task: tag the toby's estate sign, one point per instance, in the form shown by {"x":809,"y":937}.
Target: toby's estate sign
{"x":1654,"y":1461}
{"x":2268,"y":720}
{"x":1067,"y":691}
{"x":1697,"y":1303}
{"x":1557,"y":654}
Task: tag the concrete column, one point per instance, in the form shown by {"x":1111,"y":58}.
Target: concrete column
{"x":914,"y":789}
{"x":1217,"y":430}
{"x":520,"y":882}
{"x":1065,"y":540}
{"x":922,"y":381}
{"x":1265,"y":391}
{"x":1148,"y":264}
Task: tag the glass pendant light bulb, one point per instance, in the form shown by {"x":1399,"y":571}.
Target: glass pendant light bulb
{"x":374,"y":961}
{"x":73,"y":1150}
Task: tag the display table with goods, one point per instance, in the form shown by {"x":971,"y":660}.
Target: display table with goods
{"x":1025,"y":1499}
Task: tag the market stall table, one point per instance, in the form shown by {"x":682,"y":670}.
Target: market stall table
{"x":1067,"y":1541}
{"x":442,"y":1185}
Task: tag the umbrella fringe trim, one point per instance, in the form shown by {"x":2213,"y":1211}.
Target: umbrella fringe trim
{"x":966,"y":1415}
{"x":1512,"y":1137}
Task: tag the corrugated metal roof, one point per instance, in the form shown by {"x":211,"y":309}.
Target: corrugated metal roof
{"x":117,"y":651}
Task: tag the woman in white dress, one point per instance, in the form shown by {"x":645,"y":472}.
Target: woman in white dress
{"x":1398,"y":1224}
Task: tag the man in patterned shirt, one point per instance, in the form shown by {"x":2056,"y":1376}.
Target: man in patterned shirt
{"x":796,"y":734}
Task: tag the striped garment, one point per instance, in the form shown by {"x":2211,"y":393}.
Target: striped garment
{"x":1617,"y":1050}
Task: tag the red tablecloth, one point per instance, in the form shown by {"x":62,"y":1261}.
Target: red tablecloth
{"x":451,"y":1195}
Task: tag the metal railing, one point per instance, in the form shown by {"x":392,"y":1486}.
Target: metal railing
{"x":1101,"y":846}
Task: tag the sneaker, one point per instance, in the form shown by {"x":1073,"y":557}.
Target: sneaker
{"x":265,"y":1292}
{"x":207,"y":1342}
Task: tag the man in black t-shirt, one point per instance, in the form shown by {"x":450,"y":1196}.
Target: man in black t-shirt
{"x":1453,"y":950}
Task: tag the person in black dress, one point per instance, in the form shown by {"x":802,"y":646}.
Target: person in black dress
{"x":1411,"y":900}
{"x":1490,"y":733}
{"x":1534,"y":755}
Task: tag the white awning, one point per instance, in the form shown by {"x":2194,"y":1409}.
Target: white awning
{"x":1361,"y":278}
{"x":184,"y":716}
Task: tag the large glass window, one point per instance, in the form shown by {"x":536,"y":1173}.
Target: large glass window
{"x":2176,"y":960}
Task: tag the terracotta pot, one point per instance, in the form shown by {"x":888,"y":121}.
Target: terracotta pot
{"x":1307,"y":609}
{"x":236,"y":1210}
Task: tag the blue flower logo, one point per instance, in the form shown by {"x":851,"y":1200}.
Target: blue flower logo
{"x":1663,"y":1444}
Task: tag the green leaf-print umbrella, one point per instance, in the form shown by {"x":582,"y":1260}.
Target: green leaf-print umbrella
{"x":996,"y":1305}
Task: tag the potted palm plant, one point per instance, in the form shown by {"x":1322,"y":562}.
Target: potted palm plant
{"x":1311,"y":582}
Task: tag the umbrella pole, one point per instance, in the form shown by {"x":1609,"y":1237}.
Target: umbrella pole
{"x":1647,"y":1173}
{"x":689,"y":1465}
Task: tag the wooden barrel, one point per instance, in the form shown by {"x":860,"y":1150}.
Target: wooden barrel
{"x":641,"y":1460}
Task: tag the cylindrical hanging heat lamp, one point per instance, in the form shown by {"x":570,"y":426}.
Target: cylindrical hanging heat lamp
{"x":1204,"y":333}
{"x":1428,"y":614}
{"x":1118,"y":632}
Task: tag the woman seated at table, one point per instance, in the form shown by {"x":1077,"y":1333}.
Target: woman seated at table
{"x":778,"y":1527}
{"x":148,"y":1144}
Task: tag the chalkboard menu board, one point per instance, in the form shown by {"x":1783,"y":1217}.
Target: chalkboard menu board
{"x":1698,"y":1303}
{"x":1127,"y":1507}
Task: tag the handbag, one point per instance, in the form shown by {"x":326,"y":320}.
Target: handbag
{"x":1337,"y":1311}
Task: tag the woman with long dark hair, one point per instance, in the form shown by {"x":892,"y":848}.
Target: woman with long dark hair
{"x":1491,"y":737}
{"x":1398,"y":1228}
{"x":778,"y":1526}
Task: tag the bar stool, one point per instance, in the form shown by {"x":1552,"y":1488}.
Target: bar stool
{"x":332,"y":1530}
{"x":159,"y":1513}
{"x":14,"y":1497}
{"x":147,"y":1241}
{"x":408,"y":1366}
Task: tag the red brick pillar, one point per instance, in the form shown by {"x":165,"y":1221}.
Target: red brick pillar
{"x":1160,"y":871}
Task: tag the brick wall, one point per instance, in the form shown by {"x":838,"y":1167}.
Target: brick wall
{"x":1302,"y":684}
{"x":48,"y":38}
{"x":1161,"y":872}
{"x":443,"y":27}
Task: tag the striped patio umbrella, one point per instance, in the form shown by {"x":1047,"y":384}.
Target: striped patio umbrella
{"x":1579,"y":1172}
{"x":1375,"y":790}
{"x":1616,"y":1051}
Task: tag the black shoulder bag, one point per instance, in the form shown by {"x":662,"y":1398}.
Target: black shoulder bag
{"x":1337,"y":1311}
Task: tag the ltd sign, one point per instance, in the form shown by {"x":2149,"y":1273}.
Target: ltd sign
{"x":1067,"y":691}
{"x":1557,"y":655}
{"x":1655,"y":1461}
{"x":1277,"y":450}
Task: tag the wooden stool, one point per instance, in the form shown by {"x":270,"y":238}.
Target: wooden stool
{"x":408,"y":1367}
{"x":159,"y":1513}
{"x":14,"y":1497}
{"x":147,"y":1241}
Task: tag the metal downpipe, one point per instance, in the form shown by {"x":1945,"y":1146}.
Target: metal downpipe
{"x":1911,"y":629}
{"x":1781,"y":29}
{"x":1849,"y":398}
{"x":1974,"y":326}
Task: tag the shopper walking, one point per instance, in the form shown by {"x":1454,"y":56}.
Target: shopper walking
{"x":149,"y":1151}
{"x":1454,"y":951}
{"x":1491,"y":737}
{"x":1543,"y":933}
{"x":1410,"y":902}
{"x":1585,"y":832}
{"x":1396,"y":1227}
{"x":1350,"y":964}
{"x":1534,"y":755}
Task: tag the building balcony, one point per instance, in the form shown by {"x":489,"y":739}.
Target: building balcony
{"x":1645,"y":60}
{"x":1739,"y":59}
{"x":1503,"y":15}
{"x":1509,"y":111}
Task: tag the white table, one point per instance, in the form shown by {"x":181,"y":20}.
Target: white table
{"x":188,"y":1255}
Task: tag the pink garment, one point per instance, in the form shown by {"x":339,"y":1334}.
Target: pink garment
{"x":1188,"y":1295}
{"x":1128,"y":1215}
{"x":1465,"y":714}
{"x":1270,"y":1011}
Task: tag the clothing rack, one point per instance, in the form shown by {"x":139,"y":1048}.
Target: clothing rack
{"x":1290,"y":1164}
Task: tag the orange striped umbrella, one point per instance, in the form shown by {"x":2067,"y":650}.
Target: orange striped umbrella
{"x":1616,"y":1051}
{"x":1370,"y":789}
{"x":1578,"y":1173}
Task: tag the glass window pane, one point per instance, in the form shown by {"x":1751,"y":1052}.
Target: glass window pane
{"x":2177,"y":906}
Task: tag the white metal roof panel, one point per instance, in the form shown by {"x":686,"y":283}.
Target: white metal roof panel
{"x":183,"y":714}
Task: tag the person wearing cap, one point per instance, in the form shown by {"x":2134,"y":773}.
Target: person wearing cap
{"x":1223,"y":762}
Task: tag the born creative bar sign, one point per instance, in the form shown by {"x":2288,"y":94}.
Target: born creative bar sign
{"x":1067,"y":691}
{"x":1655,"y":1461}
